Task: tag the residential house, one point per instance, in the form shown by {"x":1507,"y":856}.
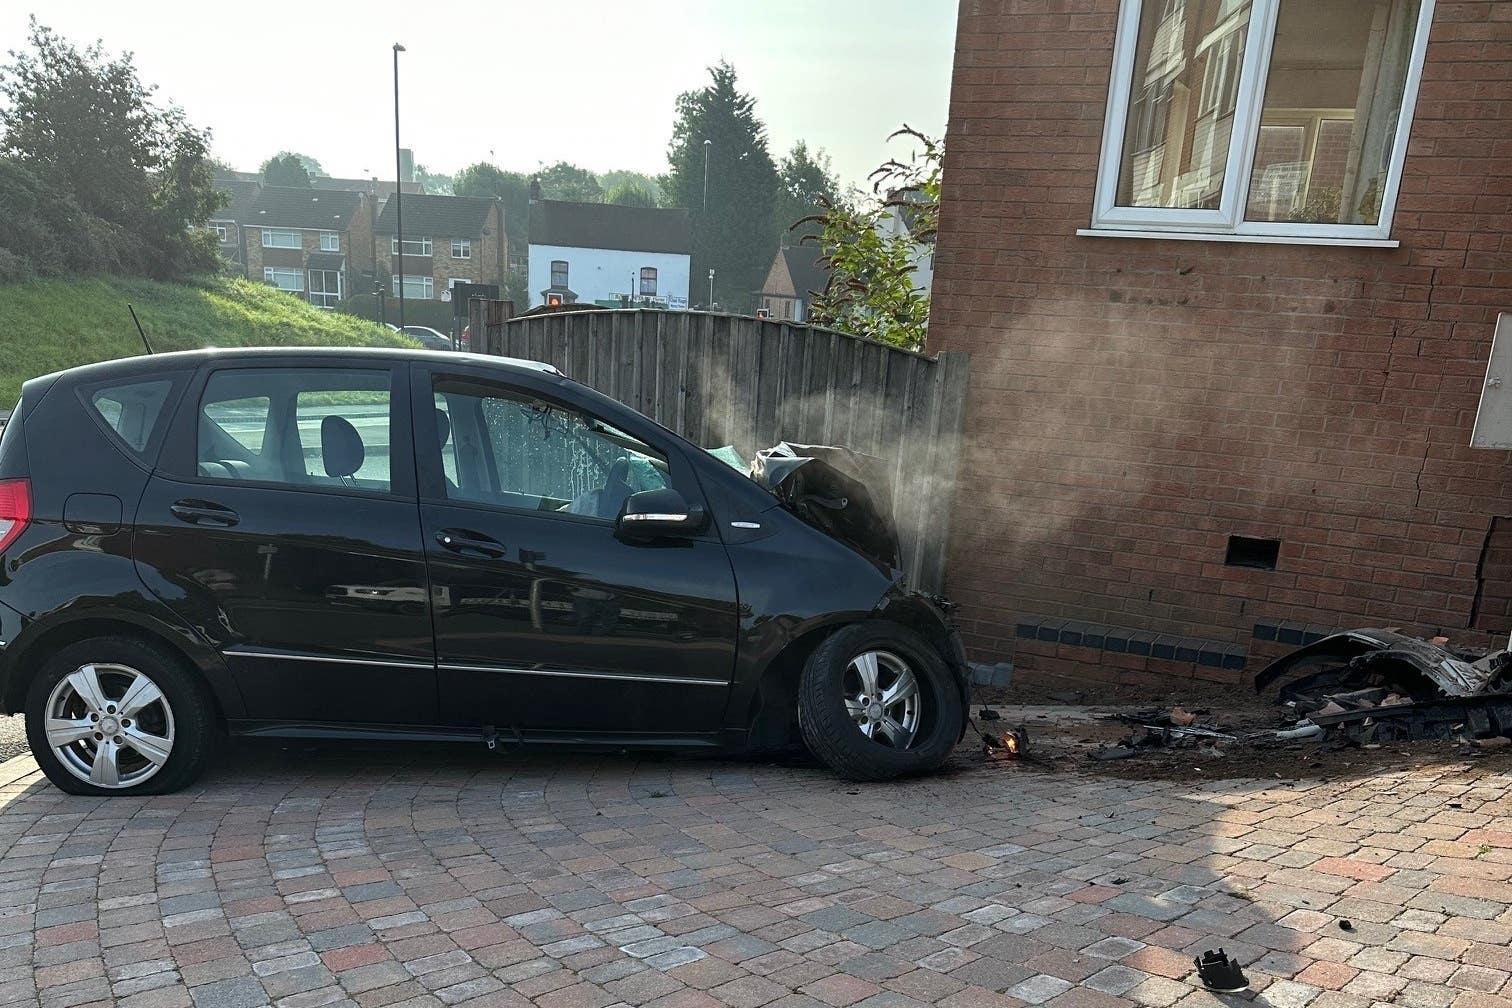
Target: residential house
{"x":1228,"y":274}
{"x":382,"y":188}
{"x":602,"y":253}
{"x":902,"y":220}
{"x":794,"y":278}
{"x":447,"y":240}
{"x":310,"y":242}
{"x":240,"y":188}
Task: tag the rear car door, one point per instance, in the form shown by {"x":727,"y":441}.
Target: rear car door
{"x":281,"y":522}
{"x":546,"y":621}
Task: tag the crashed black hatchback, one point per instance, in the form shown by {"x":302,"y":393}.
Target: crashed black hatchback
{"x":401,"y":545}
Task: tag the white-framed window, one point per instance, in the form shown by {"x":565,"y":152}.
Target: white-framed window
{"x":219,"y":230}
{"x":290,"y":279}
{"x":461,"y":248}
{"x":280,"y":239}
{"x":330,"y":241}
{"x":559,"y":273}
{"x":416,"y":288}
{"x":412,"y":246}
{"x":1269,"y":120}
{"x":325,"y":287}
{"x":648,"y":281}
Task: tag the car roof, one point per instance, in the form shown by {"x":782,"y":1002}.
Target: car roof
{"x":186,"y":359}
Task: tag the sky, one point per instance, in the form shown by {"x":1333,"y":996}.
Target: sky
{"x":586,"y":81}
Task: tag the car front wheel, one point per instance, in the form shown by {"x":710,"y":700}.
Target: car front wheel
{"x":876,"y":701}
{"x":118,"y":716}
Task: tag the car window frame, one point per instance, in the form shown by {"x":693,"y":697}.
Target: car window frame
{"x":179,"y":459}
{"x":430,"y":473}
{"x":148,"y":458}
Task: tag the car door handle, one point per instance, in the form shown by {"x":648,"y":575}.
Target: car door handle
{"x":203,"y":512}
{"x":463,"y":541}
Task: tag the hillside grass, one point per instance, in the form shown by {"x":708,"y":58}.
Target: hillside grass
{"x":49,"y":325}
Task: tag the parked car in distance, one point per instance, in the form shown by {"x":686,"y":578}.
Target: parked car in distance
{"x":394,"y":544}
{"x":431,"y":339}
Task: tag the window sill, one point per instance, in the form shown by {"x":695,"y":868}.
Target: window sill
{"x":1254,"y":239}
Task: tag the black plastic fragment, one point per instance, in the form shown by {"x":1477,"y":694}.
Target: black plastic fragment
{"x":1220,"y":973}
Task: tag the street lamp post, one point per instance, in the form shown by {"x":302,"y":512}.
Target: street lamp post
{"x":711,"y":288}
{"x":398,"y":185}
{"x":707,"y":145}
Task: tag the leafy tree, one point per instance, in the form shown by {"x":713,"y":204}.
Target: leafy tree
{"x":807,"y":186}
{"x":734,"y":235}
{"x":871,"y":264}
{"x":436,"y":183}
{"x":286,"y":169}
{"x":485,"y":180}
{"x":629,"y":194}
{"x":610,"y":180}
{"x":83,"y":128}
{"x":563,"y":181}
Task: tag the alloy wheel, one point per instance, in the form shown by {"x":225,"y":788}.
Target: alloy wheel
{"x":109,"y":725}
{"x":882,"y":698}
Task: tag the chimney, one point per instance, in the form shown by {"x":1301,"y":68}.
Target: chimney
{"x":535,"y":190}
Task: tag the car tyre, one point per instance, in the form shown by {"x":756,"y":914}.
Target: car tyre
{"x":161,"y":700}
{"x":853,"y":708}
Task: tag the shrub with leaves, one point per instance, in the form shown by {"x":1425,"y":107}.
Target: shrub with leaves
{"x":85,"y":144}
{"x":871,"y":265}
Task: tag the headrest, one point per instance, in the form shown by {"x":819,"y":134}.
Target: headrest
{"x":340,"y":446}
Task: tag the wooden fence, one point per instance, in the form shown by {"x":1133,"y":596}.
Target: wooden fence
{"x":733,"y":380}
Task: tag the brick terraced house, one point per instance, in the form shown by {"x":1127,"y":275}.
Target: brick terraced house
{"x":1228,"y":272}
{"x":310,"y":242}
{"x":447,"y":240}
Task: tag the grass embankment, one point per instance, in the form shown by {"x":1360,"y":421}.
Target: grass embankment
{"x":48,"y":325}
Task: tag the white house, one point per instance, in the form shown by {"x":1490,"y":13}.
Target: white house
{"x":610,"y":255}
{"x":900,"y":221}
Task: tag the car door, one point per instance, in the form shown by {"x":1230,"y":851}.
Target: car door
{"x":282,"y":524}
{"x":546,"y":620}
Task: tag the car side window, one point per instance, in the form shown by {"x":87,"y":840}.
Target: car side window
{"x":132,"y":411}
{"x":515,"y":451}
{"x":312,"y":427}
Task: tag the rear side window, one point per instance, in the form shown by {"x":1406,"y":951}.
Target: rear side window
{"x":132,"y":411}
{"x":315,"y":427}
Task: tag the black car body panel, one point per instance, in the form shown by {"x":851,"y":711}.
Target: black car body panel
{"x":342,"y":608}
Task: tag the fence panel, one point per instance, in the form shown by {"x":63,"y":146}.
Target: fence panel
{"x":725,"y":379}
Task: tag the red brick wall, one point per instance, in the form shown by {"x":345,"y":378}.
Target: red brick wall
{"x":1134,"y":402}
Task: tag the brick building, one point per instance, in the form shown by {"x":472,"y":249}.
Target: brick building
{"x":447,"y":240}
{"x":311,"y":242}
{"x":1228,"y":273}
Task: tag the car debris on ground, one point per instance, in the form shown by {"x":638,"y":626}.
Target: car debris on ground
{"x":1370,"y":686}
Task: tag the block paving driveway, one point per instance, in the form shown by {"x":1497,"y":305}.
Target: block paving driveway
{"x":422,"y":877}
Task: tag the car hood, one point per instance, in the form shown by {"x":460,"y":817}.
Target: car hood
{"x":843,"y":493}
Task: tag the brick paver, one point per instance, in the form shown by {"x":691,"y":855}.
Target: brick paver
{"x":444,"y":878}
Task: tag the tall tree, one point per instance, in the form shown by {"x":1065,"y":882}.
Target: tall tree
{"x":807,"y":186}
{"x":563,"y":181}
{"x":734,"y":235}
{"x":630,"y":194}
{"x":84,"y":125}
{"x":435,"y":183}
{"x":286,"y":169}
{"x":623,"y":176}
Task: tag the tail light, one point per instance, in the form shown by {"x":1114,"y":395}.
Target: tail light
{"x":15,"y":510}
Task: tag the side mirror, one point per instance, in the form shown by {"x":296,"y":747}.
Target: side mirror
{"x":652,"y":514}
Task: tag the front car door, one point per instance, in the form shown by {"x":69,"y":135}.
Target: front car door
{"x":546,"y":622}
{"x":282,"y":524}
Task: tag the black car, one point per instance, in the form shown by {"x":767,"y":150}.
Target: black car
{"x":391,"y":545}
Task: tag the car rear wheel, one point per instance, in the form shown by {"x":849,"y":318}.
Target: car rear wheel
{"x":117,"y":716}
{"x":876,"y":701}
